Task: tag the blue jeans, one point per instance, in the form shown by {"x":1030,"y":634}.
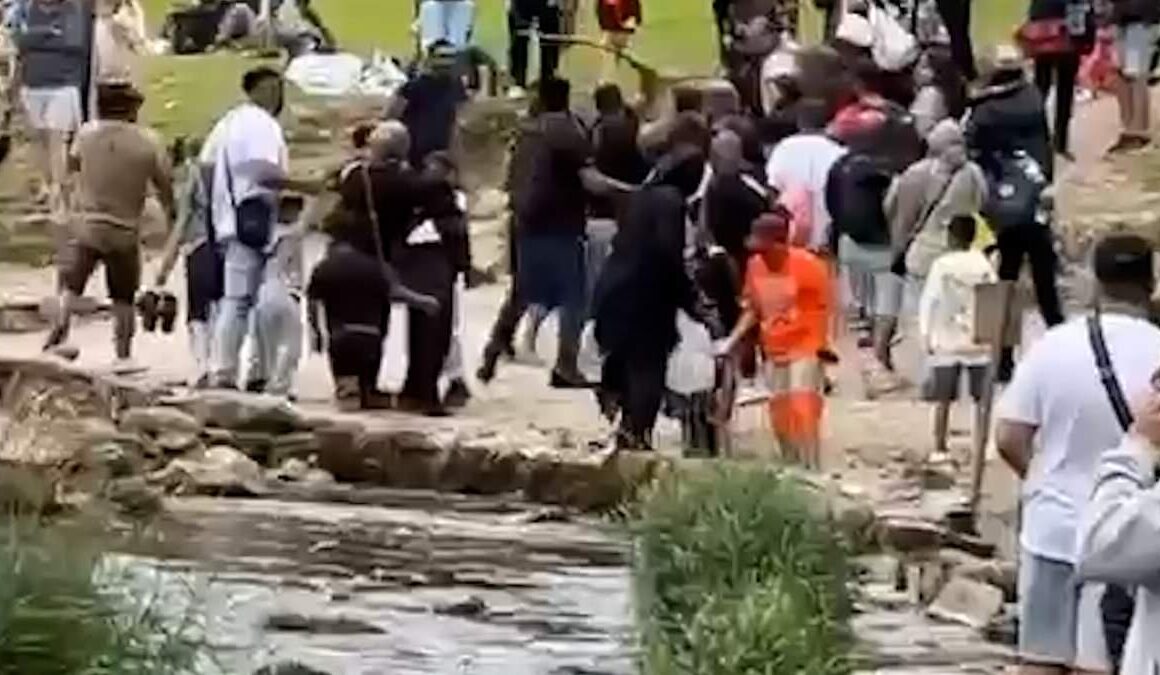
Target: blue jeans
{"x":243,"y":276}
{"x":450,"y":20}
{"x":551,"y":274}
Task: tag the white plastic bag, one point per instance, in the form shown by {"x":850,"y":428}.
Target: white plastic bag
{"x":396,"y":359}
{"x":894,"y":48}
{"x":692,"y":366}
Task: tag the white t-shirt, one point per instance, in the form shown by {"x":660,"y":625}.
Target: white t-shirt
{"x":946,"y":312}
{"x":805,"y":160}
{"x":1057,"y":388}
{"x":253,"y":142}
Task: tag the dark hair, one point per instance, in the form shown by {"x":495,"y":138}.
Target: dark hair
{"x":688,"y":99}
{"x":961,"y":231}
{"x":436,"y":46}
{"x":949,"y":80}
{"x":361,"y":135}
{"x":608,"y":99}
{"x":253,"y":78}
{"x":691,"y":129}
{"x":118,"y":99}
{"x":812,"y":114}
{"x":746,"y":129}
{"x":555,"y":93}
{"x":1124,"y":260}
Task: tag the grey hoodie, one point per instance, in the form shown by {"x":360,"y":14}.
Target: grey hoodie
{"x":55,"y":44}
{"x":1120,"y":544}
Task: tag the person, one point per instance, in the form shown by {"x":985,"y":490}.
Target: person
{"x":941,"y":90}
{"x":552,"y":220}
{"x":299,"y":29}
{"x":449,"y":21}
{"x":250,"y":158}
{"x":1006,"y":113}
{"x":117,"y":161}
{"x":429,"y":103}
{"x":956,"y":16}
{"x":1056,"y":419}
{"x":54,"y":46}
{"x":756,"y":29}
{"x":1057,"y":60}
{"x":801,"y":164}
{"x":919,"y":206}
{"x":640,"y":289}
{"x":349,"y":287}
{"x":655,"y":135}
{"x":946,"y":320}
{"x":453,"y":230}
{"x":1137,"y":26}
{"x":788,"y":299}
{"x":277,"y":322}
{"x":522,"y":16}
{"x":193,"y":235}
{"x":618,"y":19}
{"x":119,"y":35}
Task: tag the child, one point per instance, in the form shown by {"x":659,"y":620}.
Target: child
{"x":277,"y":318}
{"x":946,"y":317}
{"x":203,"y":265}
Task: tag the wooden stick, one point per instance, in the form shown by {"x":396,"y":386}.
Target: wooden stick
{"x":983,"y":434}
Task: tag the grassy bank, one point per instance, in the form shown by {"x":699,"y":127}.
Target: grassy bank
{"x":62,"y":614}
{"x":735,"y":574}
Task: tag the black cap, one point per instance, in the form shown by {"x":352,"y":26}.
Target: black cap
{"x":1123,"y":259}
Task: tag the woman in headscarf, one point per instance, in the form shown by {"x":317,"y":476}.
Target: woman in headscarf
{"x":641,"y":287}
{"x":788,"y":298}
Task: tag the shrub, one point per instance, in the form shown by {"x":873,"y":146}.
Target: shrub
{"x":63,"y":613}
{"x":736,"y":574}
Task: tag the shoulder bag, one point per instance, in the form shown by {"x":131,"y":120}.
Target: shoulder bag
{"x":1117,"y":606}
{"x":898,"y":267}
{"x":253,"y":216}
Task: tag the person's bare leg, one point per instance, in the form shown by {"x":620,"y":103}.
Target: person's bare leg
{"x":1124,"y":100}
{"x":57,"y":170}
{"x":60,"y":329}
{"x":942,"y":425}
{"x":40,"y":162}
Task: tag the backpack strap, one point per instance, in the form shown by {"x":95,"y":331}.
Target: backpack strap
{"x":1107,"y":373}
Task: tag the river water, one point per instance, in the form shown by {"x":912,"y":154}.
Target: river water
{"x":415,"y":583}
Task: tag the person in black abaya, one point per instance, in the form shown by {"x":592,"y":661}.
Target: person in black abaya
{"x":643,"y":284}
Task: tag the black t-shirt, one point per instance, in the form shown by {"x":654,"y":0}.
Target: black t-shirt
{"x":617,"y":155}
{"x":732,"y":203}
{"x":432,"y":106}
{"x":556,"y":200}
{"x":351,"y":287}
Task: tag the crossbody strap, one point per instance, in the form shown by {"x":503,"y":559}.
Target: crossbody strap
{"x":1107,"y":373}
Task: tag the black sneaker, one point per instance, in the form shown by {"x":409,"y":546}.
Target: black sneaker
{"x":457,"y":395}
{"x":256,"y":386}
{"x":561,"y":380}
{"x":486,"y":372}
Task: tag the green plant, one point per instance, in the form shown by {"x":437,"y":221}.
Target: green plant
{"x":736,"y":574}
{"x":64,"y":612}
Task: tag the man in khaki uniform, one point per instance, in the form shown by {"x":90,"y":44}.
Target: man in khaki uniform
{"x":116,"y":161}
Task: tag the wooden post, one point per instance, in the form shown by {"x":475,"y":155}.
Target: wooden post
{"x":983,"y":435}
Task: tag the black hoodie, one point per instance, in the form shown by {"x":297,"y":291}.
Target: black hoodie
{"x":1009,"y":116}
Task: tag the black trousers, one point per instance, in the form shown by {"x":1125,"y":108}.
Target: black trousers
{"x":637,"y":381}
{"x":429,"y":339}
{"x":956,"y":14}
{"x":1061,"y":70}
{"x":1033,"y":243}
{"x":523,"y":15}
{"x":356,"y":354}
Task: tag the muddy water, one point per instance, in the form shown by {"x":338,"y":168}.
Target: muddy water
{"x":421,"y":585}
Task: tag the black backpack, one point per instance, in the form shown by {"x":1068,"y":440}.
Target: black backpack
{"x":896,"y":142}
{"x":855,"y":191}
{"x":1015,"y":185}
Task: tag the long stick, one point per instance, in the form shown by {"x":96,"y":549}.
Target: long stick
{"x":983,"y":434}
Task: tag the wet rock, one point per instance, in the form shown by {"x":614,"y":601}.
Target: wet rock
{"x":909,"y":535}
{"x":289,"y":668}
{"x":1001,"y":574}
{"x":116,"y":460}
{"x":320,"y":625}
{"x":159,"y":420}
{"x":297,"y":445}
{"x":239,"y":411}
{"x":220,"y":470}
{"x":876,"y":568}
{"x":547,"y":515}
{"x":177,"y":442}
{"x":134,"y":496}
{"x":932,"y":476}
{"x":470,"y":607}
{"x":967,"y":602}
{"x":291,"y":471}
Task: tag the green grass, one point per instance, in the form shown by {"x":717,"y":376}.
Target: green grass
{"x":187,"y":93}
{"x":735,"y":574}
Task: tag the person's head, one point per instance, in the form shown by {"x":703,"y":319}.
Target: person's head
{"x":750,"y":136}
{"x":389,"y":141}
{"x":555,"y":94}
{"x":725,"y":153}
{"x":441,"y":57}
{"x":769,"y":236}
{"x":1002,"y":65}
{"x":961,"y":232}
{"x":947,"y":143}
{"x":1124,"y":269}
{"x":720,"y":100}
{"x":812,"y":115}
{"x":690,"y":129}
{"x":688,"y":99}
{"x":608,"y":99}
{"x":118,"y":101}
{"x":361,"y":135}
{"x":440,"y":166}
{"x":263,"y":86}
{"x":683,"y":167}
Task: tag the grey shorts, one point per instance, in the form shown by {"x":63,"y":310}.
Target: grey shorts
{"x":867,"y":271}
{"x":1059,"y":621}
{"x":942,"y":383}
{"x":1135,"y":43}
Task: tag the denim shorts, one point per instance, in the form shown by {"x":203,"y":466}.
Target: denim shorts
{"x":1059,"y":620}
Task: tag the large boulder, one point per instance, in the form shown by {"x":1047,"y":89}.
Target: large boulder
{"x":968,"y":602}
{"x":158,"y":420}
{"x":220,"y":470}
{"x":239,"y":411}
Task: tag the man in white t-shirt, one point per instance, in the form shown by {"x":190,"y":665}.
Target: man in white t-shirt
{"x":250,"y":159}
{"x":1055,"y":420}
{"x":801,"y":165}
